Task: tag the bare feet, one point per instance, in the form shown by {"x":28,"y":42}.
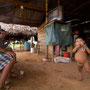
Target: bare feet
{"x":80,"y":77}
{"x":1,"y":87}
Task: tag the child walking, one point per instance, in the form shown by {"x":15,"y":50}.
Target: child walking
{"x":81,"y":57}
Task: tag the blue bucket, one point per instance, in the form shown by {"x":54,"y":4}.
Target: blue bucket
{"x":26,"y":45}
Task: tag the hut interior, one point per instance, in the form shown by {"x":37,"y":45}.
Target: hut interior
{"x":33,"y":14}
{"x":30,"y":72}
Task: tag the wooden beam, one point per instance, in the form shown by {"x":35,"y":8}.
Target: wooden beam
{"x":6,"y":11}
{"x":82,"y":5}
{"x":4,"y":6}
{"x":21,"y":23}
{"x":13,"y":16}
{"x":21,"y":18}
{"x":29,"y":24}
{"x":32,"y":7}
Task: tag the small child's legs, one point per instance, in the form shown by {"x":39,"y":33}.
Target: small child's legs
{"x":5,"y":72}
{"x":80,"y":68}
{"x":87,"y":66}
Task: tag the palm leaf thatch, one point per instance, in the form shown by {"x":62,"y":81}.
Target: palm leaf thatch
{"x":18,"y":30}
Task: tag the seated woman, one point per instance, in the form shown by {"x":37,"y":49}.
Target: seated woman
{"x":7,"y":58}
{"x":8,"y":48}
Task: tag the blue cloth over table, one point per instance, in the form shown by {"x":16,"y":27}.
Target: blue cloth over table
{"x":60,"y":34}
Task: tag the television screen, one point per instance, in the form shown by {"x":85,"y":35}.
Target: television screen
{"x":56,"y":14}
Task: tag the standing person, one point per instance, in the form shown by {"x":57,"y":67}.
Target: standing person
{"x":81,"y":56}
{"x":6,"y":58}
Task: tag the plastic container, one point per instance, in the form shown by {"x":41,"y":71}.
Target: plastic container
{"x":32,"y":50}
{"x":26,"y":45}
{"x":66,"y":54}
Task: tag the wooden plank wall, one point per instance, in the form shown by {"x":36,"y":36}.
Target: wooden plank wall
{"x":41,"y":39}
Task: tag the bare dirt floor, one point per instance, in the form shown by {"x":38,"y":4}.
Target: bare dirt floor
{"x":41,"y":75}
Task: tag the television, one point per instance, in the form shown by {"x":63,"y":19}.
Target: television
{"x":56,"y":14}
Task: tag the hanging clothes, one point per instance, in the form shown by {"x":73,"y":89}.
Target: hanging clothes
{"x":60,"y":34}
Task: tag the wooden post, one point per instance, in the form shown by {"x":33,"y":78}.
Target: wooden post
{"x":14,"y":45}
{"x":46,"y":11}
{"x":61,"y":53}
{"x":46,"y":23}
{"x":46,"y":52}
{"x":58,"y":3}
{"x":20,"y":45}
{"x":52,"y":52}
{"x":70,"y":51}
{"x":32,"y":39}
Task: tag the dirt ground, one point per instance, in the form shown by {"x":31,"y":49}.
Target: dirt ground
{"x":41,"y":75}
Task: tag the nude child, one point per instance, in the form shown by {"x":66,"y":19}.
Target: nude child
{"x":81,"y":57}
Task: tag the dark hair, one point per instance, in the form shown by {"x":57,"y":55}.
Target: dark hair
{"x":79,"y":37}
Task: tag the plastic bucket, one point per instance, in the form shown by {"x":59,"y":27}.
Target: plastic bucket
{"x":26,"y":45}
{"x":66,"y":54}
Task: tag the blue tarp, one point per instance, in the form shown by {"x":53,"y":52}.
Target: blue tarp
{"x":60,"y":34}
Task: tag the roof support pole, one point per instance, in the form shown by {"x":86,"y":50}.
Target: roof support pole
{"x":58,"y":3}
{"x":53,"y":44}
{"x":46,"y":11}
{"x":46,"y":4}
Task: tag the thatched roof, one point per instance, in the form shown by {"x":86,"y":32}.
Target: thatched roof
{"x":15,"y":29}
{"x":33,"y":12}
{"x":19,"y":31}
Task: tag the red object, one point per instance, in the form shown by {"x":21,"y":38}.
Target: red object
{"x":66,"y":54}
{"x":76,"y":32}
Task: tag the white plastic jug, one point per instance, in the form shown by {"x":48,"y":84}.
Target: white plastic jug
{"x":32,"y":50}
